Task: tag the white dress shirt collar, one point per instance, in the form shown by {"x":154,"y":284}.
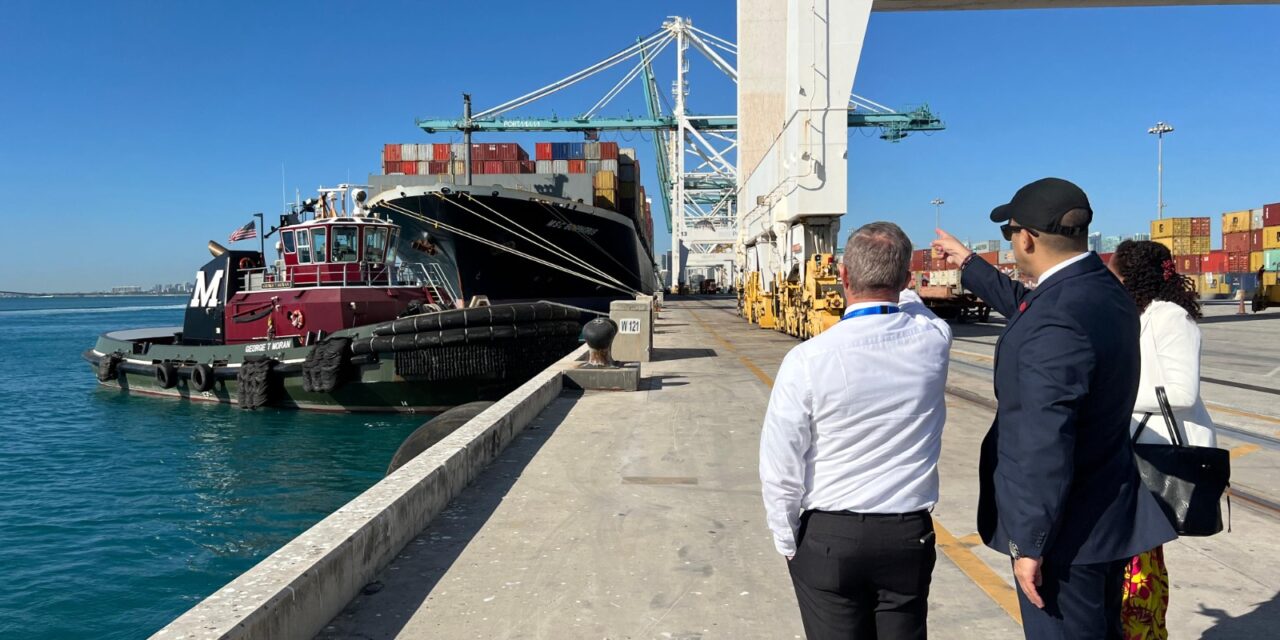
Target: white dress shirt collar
{"x":868,"y":304}
{"x":1060,"y":266}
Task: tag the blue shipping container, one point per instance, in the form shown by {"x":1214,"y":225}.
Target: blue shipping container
{"x":577,"y":151}
{"x":559,"y":150}
{"x":1247,"y":282}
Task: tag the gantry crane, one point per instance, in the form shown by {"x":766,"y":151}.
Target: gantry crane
{"x":695,"y":154}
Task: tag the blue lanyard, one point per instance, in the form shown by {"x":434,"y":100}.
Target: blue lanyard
{"x":871,"y":311}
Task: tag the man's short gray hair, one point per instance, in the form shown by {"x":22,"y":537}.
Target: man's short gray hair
{"x":877,"y":257}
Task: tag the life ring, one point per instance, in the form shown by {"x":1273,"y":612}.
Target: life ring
{"x":247,"y":263}
{"x":202,"y":377}
{"x":297,"y":319}
{"x":166,"y":375}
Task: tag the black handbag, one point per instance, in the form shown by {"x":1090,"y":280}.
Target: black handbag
{"x":1187,"y":481}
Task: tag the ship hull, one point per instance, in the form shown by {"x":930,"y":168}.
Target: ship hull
{"x":513,"y":245}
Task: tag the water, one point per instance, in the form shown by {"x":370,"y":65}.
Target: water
{"x":117,"y":512}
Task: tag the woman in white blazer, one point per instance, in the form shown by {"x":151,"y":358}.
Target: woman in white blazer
{"x":1170,"y":343}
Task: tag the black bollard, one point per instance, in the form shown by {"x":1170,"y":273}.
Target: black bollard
{"x":599,"y":334}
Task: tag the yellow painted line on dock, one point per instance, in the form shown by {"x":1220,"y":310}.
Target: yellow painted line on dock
{"x":1243,"y":450}
{"x":972,"y":566}
{"x":751,"y":366}
{"x":971,"y":540}
{"x":1244,"y":414}
{"x":980,"y":356}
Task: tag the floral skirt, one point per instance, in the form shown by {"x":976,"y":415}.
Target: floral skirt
{"x":1146,"y":597}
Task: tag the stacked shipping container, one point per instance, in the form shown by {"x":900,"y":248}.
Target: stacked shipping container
{"x":448,"y":159}
{"x":1186,"y":238}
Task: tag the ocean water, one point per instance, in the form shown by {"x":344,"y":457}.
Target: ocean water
{"x":118,"y":512}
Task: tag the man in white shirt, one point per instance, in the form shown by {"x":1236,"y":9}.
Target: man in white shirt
{"x":849,"y":451}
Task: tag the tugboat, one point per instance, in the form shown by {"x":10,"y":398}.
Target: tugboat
{"x":338,"y":323}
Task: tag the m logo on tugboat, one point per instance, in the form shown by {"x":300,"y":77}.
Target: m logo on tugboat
{"x":206,"y":292}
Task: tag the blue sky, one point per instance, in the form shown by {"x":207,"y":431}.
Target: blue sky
{"x":133,"y":132}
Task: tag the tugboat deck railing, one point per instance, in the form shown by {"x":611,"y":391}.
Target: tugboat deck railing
{"x":413,"y":275}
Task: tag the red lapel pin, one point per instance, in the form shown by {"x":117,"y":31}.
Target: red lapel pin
{"x":1022,"y":307}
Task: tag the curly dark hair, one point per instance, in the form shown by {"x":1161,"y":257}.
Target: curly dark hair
{"x":1149,"y":273}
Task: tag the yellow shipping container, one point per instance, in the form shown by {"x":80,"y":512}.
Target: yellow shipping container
{"x":1170,"y":227}
{"x":1271,"y":237}
{"x":1236,"y":221}
{"x":1212,"y":283}
{"x":1186,"y":246}
{"x":1269,"y":279}
{"x":1255,"y":261}
{"x":606,"y":180}
{"x":1167,"y":242}
{"x":1200,"y":245}
{"x":606,"y":198}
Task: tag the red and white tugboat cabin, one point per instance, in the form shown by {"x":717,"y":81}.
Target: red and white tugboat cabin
{"x":335,"y":271}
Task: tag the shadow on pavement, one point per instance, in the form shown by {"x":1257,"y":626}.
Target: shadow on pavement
{"x":1259,"y":623}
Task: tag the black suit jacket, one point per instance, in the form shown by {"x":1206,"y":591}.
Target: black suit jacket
{"x":1057,"y":471}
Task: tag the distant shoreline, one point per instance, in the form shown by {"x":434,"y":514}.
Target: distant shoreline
{"x":12,"y":295}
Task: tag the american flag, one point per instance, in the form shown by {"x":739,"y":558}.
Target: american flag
{"x":246,"y":232}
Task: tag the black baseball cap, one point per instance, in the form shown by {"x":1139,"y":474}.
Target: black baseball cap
{"x":1041,"y":205}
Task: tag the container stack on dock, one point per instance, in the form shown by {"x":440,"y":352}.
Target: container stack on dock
{"x":1188,"y":239}
{"x":448,"y":159}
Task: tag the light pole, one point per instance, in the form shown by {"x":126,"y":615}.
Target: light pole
{"x":937,"y":216}
{"x":1159,"y":130}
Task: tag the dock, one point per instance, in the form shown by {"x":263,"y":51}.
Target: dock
{"x":638,"y":515}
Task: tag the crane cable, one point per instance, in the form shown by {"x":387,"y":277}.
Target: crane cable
{"x":500,"y":247}
{"x":542,"y":242}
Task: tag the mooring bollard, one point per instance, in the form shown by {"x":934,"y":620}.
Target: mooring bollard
{"x":599,"y":334}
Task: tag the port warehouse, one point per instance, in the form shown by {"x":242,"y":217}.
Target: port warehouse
{"x":610,"y":175}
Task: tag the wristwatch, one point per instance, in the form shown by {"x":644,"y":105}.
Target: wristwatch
{"x":1013,"y":551}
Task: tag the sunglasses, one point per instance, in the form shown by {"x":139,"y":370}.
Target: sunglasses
{"x":1009,"y":229}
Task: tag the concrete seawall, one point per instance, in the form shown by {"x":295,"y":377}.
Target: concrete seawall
{"x":299,"y":588}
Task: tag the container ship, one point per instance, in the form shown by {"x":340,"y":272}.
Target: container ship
{"x":571,"y":224}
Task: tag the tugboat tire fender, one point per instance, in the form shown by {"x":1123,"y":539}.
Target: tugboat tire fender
{"x":202,"y":377}
{"x":246,"y":263}
{"x":166,"y":375}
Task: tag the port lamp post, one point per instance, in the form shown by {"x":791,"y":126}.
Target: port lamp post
{"x":937,"y":215}
{"x":1159,"y":130}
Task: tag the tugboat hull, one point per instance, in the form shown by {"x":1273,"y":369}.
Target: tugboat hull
{"x":425,"y":363}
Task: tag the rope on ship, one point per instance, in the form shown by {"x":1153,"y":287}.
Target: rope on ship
{"x":565,"y":219}
{"x":471,"y":236}
{"x":546,"y":244}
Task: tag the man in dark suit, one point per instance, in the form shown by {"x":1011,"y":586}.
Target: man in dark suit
{"x":1059,"y":489}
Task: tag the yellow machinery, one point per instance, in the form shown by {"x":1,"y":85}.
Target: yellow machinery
{"x":757,"y":304}
{"x":822,"y":299}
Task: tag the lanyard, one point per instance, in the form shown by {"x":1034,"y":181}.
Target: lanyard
{"x":871,"y":311}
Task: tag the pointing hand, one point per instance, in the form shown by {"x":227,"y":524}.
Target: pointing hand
{"x":952,"y":248}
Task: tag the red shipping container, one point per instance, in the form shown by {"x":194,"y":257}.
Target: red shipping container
{"x":511,"y":166}
{"x":1236,"y":242}
{"x":1271,"y":215}
{"x":608,"y":151}
{"x":577,"y":166}
{"x":542,"y":150}
{"x":437,"y":167}
{"x":917,"y":259}
{"x":990,"y":257}
{"x":391,"y":153}
{"x":1255,"y":240}
{"x":1200,"y":227}
{"x":1105,"y":257}
{"x":480,"y":152}
{"x":1188,"y":264}
{"x":528,"y":166}
{"x":440,"y":152}
{"x":1237,"y":262}
{"x":492,"y":166}
{"x":1215,"y":262}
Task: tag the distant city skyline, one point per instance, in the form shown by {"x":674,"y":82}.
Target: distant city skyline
{"x":137,"y":132}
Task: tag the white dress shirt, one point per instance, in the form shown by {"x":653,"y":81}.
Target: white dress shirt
{"x":1060,"y":266}
{"x":855,"y":419}
{"x":1171,"y":359}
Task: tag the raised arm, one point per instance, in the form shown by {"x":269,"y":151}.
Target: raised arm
{"x":999,"y":291}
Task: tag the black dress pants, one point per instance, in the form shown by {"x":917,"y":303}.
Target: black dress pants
{"x":864,"y":576}
{"x":1081,"y":602}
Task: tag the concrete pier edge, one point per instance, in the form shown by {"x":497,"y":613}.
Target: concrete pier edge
{"x":297,"y":590}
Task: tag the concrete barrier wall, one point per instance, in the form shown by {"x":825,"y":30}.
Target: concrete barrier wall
{"x":296,"y":591}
